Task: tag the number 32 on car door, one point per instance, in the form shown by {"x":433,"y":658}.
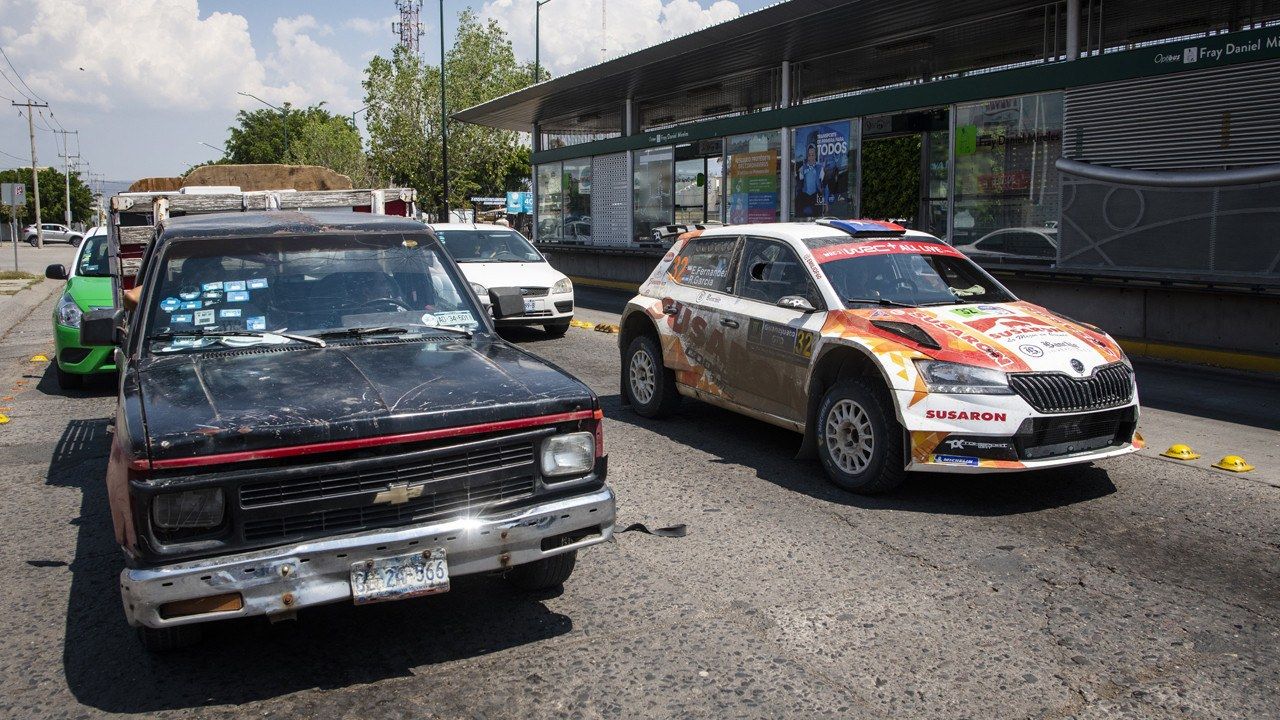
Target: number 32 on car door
{"x":804,"y":343}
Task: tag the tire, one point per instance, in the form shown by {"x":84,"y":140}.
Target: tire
{"x":161,"y":640}
{"x":650,"y":386}
{"x":74,"y":240}
{"x":66,"y":380}
{"x":33,"y":240}
{"x":544,"y":574}
{"x":852,"y":410}
{"x":557,"y":330}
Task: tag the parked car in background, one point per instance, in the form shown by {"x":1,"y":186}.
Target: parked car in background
{"x":1024,"y":245}
{"x":53,"y":232}
{"x":891,"y":352}
{"x":493,"y":256}
{"x":88,"y":288}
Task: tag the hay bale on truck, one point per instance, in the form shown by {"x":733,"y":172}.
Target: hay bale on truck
{"x":250,"y":178}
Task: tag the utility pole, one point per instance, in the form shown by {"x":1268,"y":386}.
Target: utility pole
{"x":537,"y":27}
{"x":444,"y":123}
{"x":35,"y":176}
{"x":66,"y":168}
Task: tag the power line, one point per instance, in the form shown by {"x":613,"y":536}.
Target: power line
{"x":15,"y":157}
{"x":19,"y":76}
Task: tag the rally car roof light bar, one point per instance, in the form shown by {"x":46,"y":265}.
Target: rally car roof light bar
{"x":863,"y":228}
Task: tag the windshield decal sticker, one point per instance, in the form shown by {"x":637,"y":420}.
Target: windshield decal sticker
{"x":257,"y":283}
{"x":169,"y":304}
{"x":237,"y":296}
{"x":257,"y":322}
{"x":180,"y":319}
{"x":230,"y":285}
{"x":832,"y":253}
{"x":215,"y":295}
{"x":429,"y":320}
{"x":192,"y":305}
{"x":204,"y":317}
{"x":192,"y":295}
{"x":229,"y":313}
{"x":211,"y":286}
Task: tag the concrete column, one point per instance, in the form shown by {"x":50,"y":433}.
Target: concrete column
{"x":628,"y":119}
{"x":1073,"y":29}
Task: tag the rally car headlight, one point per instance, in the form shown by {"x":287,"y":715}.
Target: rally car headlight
{"x":69,"y":314}
{"x":189,"y":509}
{"x":949,"y":377}
{"x":564,"y":285}
{"x":570,"y":454}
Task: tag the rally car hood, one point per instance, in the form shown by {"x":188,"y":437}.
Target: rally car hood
{"x":1013,"y":337}
{"x":234,"y":401}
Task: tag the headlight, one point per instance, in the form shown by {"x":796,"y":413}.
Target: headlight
{"x":563,"y":286}
{"x":948,"y":377}
{"x":68,"y":312}
{"x":481,"y":292}
{"x":570,"y":454}
{"x":188,"y":509}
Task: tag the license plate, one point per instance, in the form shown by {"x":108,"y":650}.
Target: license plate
{"x":396,"y":578}
{"x":530,"y":305}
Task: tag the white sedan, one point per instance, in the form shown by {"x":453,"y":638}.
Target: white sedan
{"x":493,"y":256}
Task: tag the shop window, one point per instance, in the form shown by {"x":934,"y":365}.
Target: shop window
{"x":651,"y":189}
{"x":1004,"y":176}
{"x":577,"y":200}
{"x":823,"y":170}
{"x":753,"y":177}
{"x":550,"y":203}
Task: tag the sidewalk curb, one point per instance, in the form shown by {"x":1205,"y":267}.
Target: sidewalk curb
{"x":24,"y":303}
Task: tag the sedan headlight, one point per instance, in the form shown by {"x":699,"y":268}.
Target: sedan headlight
{"x":188,"y":509}
{"x":949,"y":377}
{"x":569,"y":454}
{"x":564,"y":285}
{"x":68,"y":312}
{"x":481,"y":292}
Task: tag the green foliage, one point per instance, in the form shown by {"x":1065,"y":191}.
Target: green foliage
{"x":266,"y":135}
{"x":53,"y":196}
{"x":891,"y":177}
{"x":403,"y":99}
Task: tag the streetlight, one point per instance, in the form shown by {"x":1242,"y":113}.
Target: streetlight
{"x":211,"y":147}
{"x":357,"y":112}
{"x":537,"y":26}
{"x":444,"y":126}
{"x":284,"y":118}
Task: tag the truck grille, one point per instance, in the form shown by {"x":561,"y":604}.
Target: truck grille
{"x":1053,"y":392}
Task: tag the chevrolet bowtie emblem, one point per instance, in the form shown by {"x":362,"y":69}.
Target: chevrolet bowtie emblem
{"x":398,"y":494}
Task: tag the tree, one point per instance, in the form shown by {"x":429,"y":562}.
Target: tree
{"x":53,"y":196}
{"x":265,"y":135}
{"x":403,"y":99}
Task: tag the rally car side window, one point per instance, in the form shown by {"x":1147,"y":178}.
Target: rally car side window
{"x":770,"y":271}
{"x":706,"y":264}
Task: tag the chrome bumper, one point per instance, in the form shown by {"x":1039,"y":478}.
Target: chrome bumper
{"x":280,"y":580}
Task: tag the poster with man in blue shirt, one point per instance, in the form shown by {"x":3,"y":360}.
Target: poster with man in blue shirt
{"x":820,"y":170}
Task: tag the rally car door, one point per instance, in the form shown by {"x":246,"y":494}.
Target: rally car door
{"x":778,"y":340}
{"x":695,"y":301}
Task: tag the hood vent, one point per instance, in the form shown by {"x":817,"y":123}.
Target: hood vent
{"x":914,"y":333}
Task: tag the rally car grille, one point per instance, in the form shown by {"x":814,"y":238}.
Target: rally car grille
{"x":1053,"y":392}
{"x":1046,"y":437}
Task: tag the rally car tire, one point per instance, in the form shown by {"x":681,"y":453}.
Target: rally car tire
{"x":544,"y":574}
{"x":170,"y":638}
{"x":859,"y":439}
{"x":556,"y":330}
{"x":650,"y":386}
{"x":66,"y":380}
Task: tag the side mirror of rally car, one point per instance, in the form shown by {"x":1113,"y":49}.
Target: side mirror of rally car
{"x":506,"y":302}
{"x":101,"y":327}
{"x":796,"y":302}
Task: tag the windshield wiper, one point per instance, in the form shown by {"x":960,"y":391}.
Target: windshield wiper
{"x":239,"y":333}
{"x":879,"y":301}
{"x":385,"y":330}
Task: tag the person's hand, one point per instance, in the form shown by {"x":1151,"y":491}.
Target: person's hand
{"x":132,"y":297}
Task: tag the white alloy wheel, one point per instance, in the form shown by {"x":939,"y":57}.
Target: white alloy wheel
{"x":644,"y":381}
{"x":849,"y":436}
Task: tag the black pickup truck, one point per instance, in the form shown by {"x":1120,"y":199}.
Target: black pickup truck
{"x":314,"y":408}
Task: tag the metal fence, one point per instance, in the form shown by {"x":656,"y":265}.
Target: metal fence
{"x":1219,"y":226}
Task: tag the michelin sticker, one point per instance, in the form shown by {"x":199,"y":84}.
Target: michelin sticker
{"x":956,"y":460}
{"x":204,"y":317}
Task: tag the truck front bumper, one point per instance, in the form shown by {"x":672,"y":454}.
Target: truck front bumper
{"x":281,"y":580}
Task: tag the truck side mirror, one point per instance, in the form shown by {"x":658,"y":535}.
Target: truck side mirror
{"x":57,"y":271}
{"x":506,"y":302}
{"x":101,"y":326}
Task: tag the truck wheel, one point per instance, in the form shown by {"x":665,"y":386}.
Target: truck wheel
{"x":651,"y":387}
{"x":544,"y":574}
{"x":68,"y":381}
{"x":170,"y":638}
{"x":556,"y":330}
{"x":859,"y":439}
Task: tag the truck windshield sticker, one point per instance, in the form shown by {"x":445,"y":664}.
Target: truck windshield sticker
{"x":180,"y":319}
{"x":189,"y":295}
{"x":229,"y":313}
{"x":204,"y":317}
{"x":257,"y":283}
{"x":230,"y":285}
{"x":258,"y":322}
{"x":237,"y":296}
{"x":169,"y":304}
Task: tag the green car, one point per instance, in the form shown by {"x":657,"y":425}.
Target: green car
{"x":88,"y":288}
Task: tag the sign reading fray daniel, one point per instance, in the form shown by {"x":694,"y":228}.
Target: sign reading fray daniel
{"x":1213,"y":50}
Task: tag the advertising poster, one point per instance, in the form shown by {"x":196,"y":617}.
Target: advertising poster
{"x":820,"y":171}
{"x":753,"y":187}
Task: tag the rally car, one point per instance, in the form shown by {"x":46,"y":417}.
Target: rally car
{"x":888,"y":349}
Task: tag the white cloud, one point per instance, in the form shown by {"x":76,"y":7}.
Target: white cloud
{"x":162,"y":55}
{"x":571,"y":32}
{"x":370,"y":26}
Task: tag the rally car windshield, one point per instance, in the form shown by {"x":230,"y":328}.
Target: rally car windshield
{"x":239,"y":292}
{"x":911,"y":279}
{"x":487,"y":246}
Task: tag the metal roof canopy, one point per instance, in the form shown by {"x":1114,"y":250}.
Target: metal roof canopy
{"x":840,"y":47}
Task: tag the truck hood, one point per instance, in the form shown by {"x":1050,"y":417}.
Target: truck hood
{"x":1013,"y":337}
{"x":257,"y":398}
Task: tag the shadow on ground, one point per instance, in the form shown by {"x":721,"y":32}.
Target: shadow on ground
{"x":240,"y":661}
{"x":739,"y":440}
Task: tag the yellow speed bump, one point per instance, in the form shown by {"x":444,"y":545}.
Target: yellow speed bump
{"x":582,"y":324}
{"x":1233,"y":463}
{"x":4,"y":419}
{"x":606,"y":328}
{"x":39,"y":358}
{"x":1180,"y":452}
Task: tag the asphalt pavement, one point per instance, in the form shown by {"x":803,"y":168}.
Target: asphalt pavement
{"x":1136,"y":587}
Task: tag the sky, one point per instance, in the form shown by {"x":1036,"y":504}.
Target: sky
{"x":145,"y":82}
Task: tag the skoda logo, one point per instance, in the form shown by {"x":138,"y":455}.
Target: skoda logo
{"x":1031,"y":350}
{"x":1077,"y":365}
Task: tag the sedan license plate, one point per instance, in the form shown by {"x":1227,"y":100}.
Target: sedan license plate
{"x":530,"y":305}
{"x":396,"y":578}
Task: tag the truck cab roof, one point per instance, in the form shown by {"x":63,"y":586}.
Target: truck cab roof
{"x":284,"y":222}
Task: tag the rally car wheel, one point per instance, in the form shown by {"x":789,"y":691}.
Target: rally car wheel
{"x":859,"y":440}
{"x":651,"y":388}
